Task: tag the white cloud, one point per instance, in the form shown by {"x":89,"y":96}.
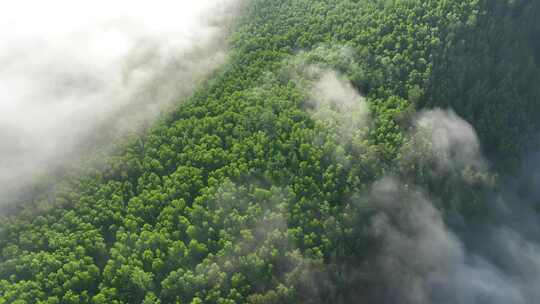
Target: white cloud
{"x":67,"y":67}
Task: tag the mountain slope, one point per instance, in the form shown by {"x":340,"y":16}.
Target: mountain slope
{"x":257,"y":190}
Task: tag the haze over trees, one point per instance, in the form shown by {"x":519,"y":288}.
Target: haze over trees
{"x":338,"y":156}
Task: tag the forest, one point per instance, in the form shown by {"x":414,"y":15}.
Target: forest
{"x":338,"y":140}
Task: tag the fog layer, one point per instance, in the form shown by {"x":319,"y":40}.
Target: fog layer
{"x":70,"y":69}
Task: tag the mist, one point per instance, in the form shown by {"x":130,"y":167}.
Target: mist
{"x":429,"y":252}
{"x":429,"y":255}
{"x":73,"y":75}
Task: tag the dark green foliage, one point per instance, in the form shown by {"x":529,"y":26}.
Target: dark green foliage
{"x":488,"y":71}
{"x":241,"y":196}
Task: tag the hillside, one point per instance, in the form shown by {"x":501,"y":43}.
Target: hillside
{"x":286,"y":177}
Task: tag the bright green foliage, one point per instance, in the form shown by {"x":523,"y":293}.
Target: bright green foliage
{"x":242,"y":196}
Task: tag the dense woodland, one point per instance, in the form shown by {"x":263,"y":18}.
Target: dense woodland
{"x":243,"y":195}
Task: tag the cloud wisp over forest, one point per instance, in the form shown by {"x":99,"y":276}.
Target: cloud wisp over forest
{"x":429,"y":253}
{"x":75,"y":74}
{"x":428,"y":256}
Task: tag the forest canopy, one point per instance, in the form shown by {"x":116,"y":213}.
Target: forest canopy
{"x":272,"y":183}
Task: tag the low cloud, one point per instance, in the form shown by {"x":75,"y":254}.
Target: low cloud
{"x":423,"y":261}
{"x":333,"y":97}
{"x":427,"y":258}
{"x":451,"y":141}
{"x":68,"y":82}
